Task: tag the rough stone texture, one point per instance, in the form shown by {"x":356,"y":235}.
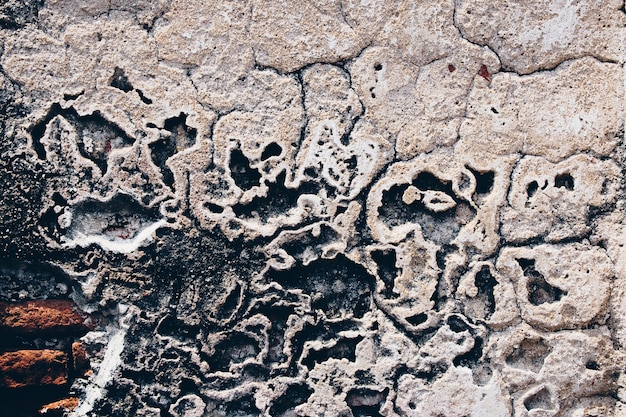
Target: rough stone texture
{"x":323,"y":208}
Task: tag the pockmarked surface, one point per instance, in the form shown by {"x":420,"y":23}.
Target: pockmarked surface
{"x":322,"y":208}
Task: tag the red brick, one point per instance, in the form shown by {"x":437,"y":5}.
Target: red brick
{"x":25,"y":368}
{"x":42,"y":316}
{"x":81,"y":362}
{"x":58,"y":408}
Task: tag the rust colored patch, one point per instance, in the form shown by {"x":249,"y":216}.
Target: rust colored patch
{"x":451,"y":68}
{"x":24,"y":368}
{"x":484,"y":72}
{"x":42,"y":316}
{"x":81,"y":362}
{"x":58,"y":408}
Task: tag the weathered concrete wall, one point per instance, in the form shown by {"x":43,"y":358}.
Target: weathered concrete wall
{"x":319,"y":208}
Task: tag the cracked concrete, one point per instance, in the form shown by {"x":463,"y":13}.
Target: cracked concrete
{"x":320,"y":208}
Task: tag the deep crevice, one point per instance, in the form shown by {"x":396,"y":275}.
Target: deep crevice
{"x":485,"y":282}
{"x":179,"y":138}
{"x":472,"y":357}
{"x":387,"y":271}
{"x":484,"y":181}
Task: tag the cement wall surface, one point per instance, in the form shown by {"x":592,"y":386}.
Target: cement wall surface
{"x":313,"y":208}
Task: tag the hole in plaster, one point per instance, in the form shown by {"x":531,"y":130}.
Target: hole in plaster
{"x":472,"y":357}
{"x":120,"y":81}
{"x":530,"y":354}
{"x":564,"y":181}
{"x":307,"y":246}
{"x":542,"y":399}
{"x":243,"y":174}
{"x":338,"y":287}
{"x":428,"y":181}
{"x":213,"y":207}
{"x":278,"y":201}
{"x":273,"y":149}
{"x":457,"y":324}
{"x":120,"y":224}
{"x":278,"y":316}
{"x":179,"y":137}
{"x":436,"y":370}
{"x":229,"y":306}
{"x":539,"y":290}
{"x":485,"y":283}
{"x":532,"y":188}
{"x":484,"y":181}
{"x":70,"y":97}
{"x":173,"y":327}
{"x":417,"y":319}
{"x":345,"y":348}
{"x":387,"y":271}
{"x":235,"y":349}
{"x":435,"y":208}
{"x":96,"y":136}
{"x":294,"y":396}
{"x":366,"y":401}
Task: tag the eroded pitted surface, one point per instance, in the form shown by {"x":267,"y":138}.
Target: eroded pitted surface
{"x":323,"y":208}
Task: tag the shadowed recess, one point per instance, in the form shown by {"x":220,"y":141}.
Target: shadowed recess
{"x":366,"y":402}
{"x":338,"y":287}
{"x":345,"y":348}
{"x":120,"y":81}
{"x":179,"y":137}
{"x":529,"y":354}
{"x":96,"y":137}
{"x":484,"y":181}
{"x":294,"y":396}
{"x":122,"y":217}
{"x":387,"y":271}
{"x":539,"y":290}
{"x":542,"y":400}
{"x":439,"y":227}
{"x":278,"y":201}
{"x":243,"y":174}
{"x":236,"y":348}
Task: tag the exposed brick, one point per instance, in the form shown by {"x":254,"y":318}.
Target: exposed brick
{"x":42,"y":316}
{"x":79,"y":356}
{"x":25,"y":368}
{"x":58,"y":408}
